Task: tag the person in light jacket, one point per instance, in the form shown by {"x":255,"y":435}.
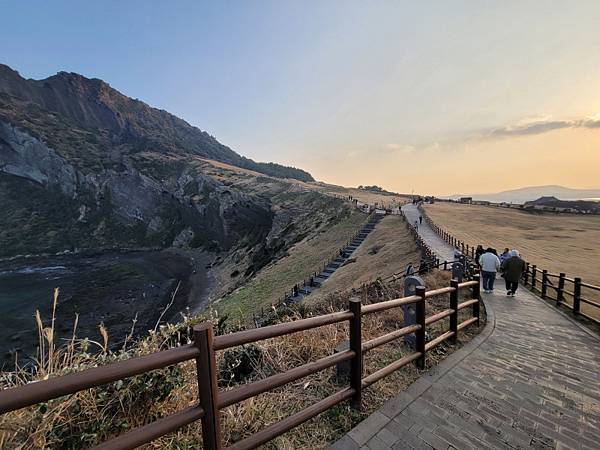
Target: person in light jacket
{"x":489,"y":264}
{"x":512,"y":270}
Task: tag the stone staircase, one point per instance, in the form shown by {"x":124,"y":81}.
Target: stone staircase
{"x":345,"y":253}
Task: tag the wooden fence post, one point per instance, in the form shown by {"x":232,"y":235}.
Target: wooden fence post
{"x":420,"y":320}
{"x":533,"y":276}
{"x":577,"y":295}
{"x":561,"y":289}
{"x":526,"y":274}
{"x":544,"y":283}
{"x":454,"y":308}
{"x":207,"y":386}
{"x":356,"y":364}
{"x":476,"y":295}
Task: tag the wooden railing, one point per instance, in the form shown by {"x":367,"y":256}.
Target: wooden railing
{"x":212,"y":400}
{"x":541,"y":282}
{"x":538,"y":280}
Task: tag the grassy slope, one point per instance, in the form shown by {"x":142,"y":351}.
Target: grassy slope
{"x":332,"y":189}
{"x":394,"y":247}
{"x":557,"y":242}
{"x":306,"y":257}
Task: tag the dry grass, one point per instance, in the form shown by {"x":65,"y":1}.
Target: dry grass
{"x":557,"y":242}
{"x":96,"y":414}
{"x":388,"y":249}
{"x":361,"y":195}
{"x":273,"y":281}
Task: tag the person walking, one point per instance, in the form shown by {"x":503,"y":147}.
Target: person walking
{"x":504,"y":255}
{"x":416,"y":225}
{"x":420,"y":220}
{"x":512,"y":270}
{"x":478,"y":252}
{"x":489,"y":264}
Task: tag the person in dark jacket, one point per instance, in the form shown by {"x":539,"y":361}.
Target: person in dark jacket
{"x":478,"y":252}
{"x":512,"y":269}
{"x":505,"y":255}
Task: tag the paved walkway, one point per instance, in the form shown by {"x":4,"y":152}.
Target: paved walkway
{"x":444,"y":251}
{"x":530,"y":379}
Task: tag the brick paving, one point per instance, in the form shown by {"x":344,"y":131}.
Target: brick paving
{"x":442,"y":250}
{"x":529,"y":380}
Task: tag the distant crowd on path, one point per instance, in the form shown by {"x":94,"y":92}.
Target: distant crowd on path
{"x":509,"y":263}
{"x":418,"y":222}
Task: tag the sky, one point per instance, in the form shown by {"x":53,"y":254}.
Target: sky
{"x":432,"y":97}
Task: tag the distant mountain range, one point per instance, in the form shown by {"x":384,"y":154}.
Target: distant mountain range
{"x":527,"y":194}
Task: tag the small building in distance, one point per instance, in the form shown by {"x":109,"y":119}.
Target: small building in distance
{"x":468,"y":200}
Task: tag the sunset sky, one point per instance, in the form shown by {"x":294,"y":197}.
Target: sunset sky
{"x":441,"y":98}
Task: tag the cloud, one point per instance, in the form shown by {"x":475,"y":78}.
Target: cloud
{"x":399,"y":148}
{"x":529,"y":128}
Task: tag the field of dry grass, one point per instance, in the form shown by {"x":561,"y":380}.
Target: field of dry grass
{"x":388,"y":249}
{"x":556,"y":242}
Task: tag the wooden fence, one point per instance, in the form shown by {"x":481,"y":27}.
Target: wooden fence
{"x":212,"y":400}
{"x":538,"y":280}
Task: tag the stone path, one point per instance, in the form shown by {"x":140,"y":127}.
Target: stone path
{"x":441,"y":248}
{"x":530,"y":379}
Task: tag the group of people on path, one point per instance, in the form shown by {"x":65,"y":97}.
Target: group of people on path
{"x":418,"y":222}
{"x":509,"y":263}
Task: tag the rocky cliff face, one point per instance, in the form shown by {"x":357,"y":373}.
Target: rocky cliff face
{"x":121,"y":205}
{"x":117,"y":172}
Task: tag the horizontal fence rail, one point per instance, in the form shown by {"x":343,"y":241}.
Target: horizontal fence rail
{"x":211,"y":400}
{"x":550,"y":286}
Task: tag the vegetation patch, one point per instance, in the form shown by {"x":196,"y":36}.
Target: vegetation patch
{"x":94,"y":415}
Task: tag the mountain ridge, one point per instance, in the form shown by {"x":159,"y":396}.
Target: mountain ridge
{"x":531,"y":193}
{"x":91,"y":103}
{"x":83,"y":166}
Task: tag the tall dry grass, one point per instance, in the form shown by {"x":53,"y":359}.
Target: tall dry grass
{"x":91,"y":416}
